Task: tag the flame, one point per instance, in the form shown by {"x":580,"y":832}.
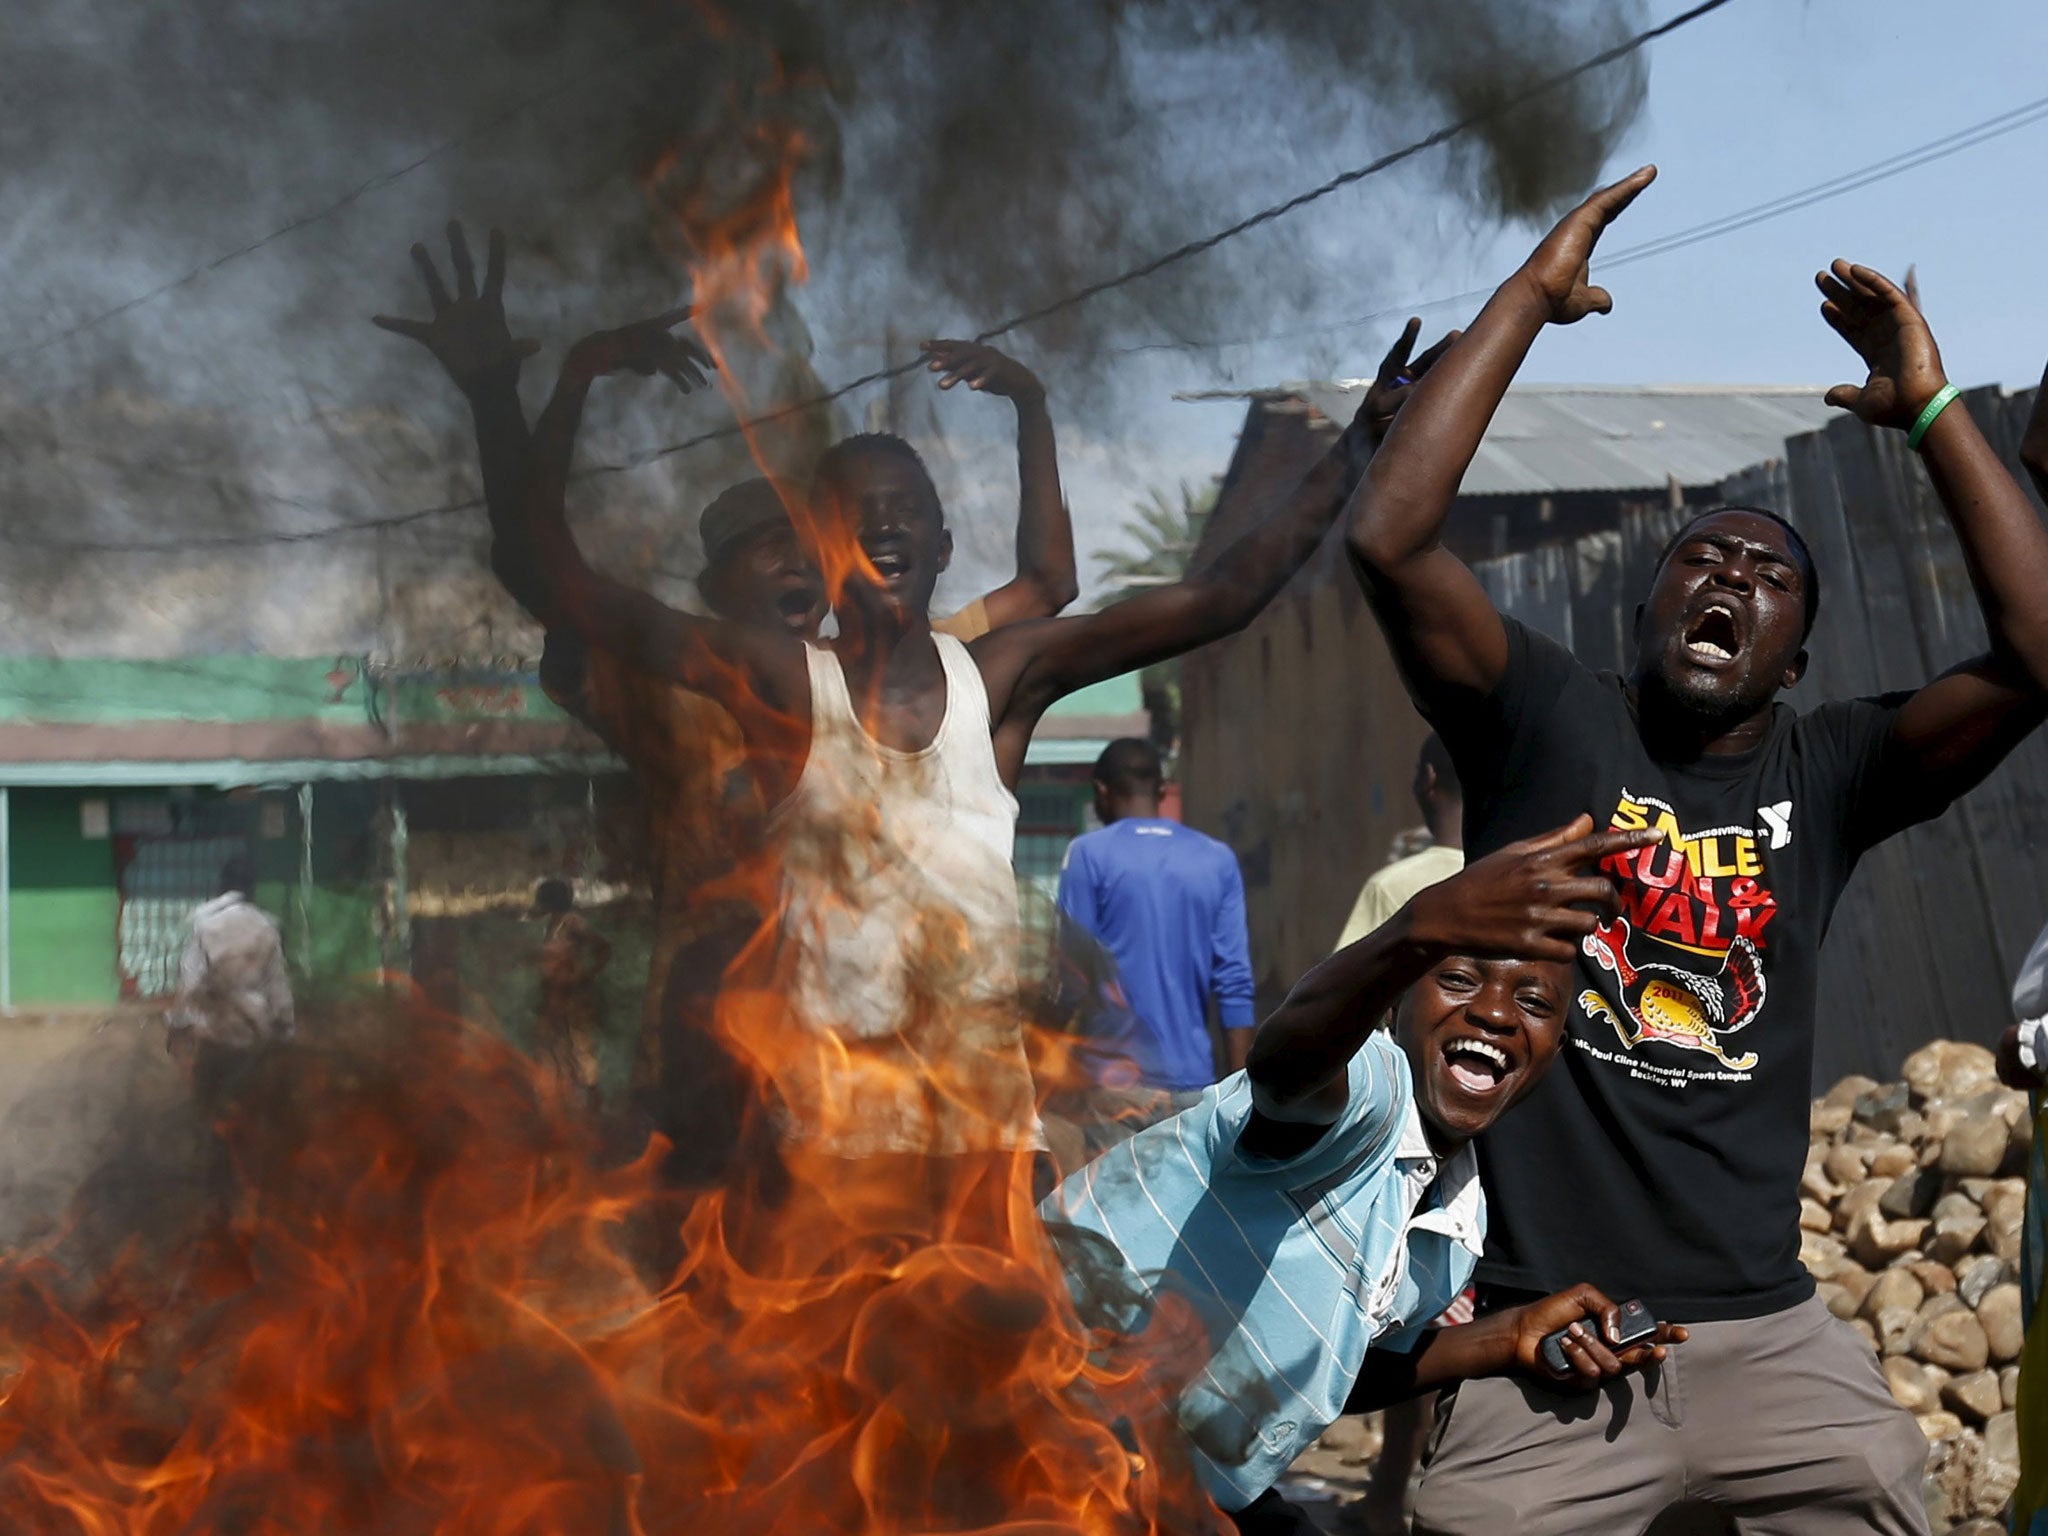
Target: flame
{"x":728,"y":202}
{"x":418,"y":1302}
{"x":416,"y":1297}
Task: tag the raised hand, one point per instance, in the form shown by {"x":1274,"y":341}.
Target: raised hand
{"x":1396,"y":377}
{"x":645,"y":347}
{"x":1533,"y":898}
{"x":1591,"y":1319}
{"x":1870,"y":312}
{"x":1560,"y":268}
{"x":468,"y":334}
{"x":982,"y":369}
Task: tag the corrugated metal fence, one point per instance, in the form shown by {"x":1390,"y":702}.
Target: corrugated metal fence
{"x":1935,"y":923}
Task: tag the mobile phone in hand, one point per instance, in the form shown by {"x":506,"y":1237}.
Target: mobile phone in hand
{"x":1634,"y":1324}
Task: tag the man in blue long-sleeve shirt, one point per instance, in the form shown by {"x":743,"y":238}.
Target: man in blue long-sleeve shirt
{"x":1166,"y":904}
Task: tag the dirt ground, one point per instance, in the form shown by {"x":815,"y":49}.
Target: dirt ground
{"x":71,"y":1084}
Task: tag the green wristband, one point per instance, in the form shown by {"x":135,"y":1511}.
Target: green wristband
{"x":1935,"y":407}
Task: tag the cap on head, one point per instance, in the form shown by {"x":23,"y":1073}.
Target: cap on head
{"x":1795,"y":542}
{"x":735,"y":514}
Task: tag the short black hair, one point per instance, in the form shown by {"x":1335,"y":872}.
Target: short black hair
{"x":238,"y":873}
{"x":834,"y":463}
{"x":1130,"y":765}
{"x":1809,"y":573}
{"x":553,"y":896}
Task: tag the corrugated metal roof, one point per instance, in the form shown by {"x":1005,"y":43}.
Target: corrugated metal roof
{"x":1565,"y":437}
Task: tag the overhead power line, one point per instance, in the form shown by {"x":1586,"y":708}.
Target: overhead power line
{"x":1199,"y":246}
{"x":2026,"y":116}
{"x":1044,"y":311}
{"x":347,"y":199}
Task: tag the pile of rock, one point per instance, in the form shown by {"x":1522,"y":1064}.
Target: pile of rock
{"x":1911,"y":1210}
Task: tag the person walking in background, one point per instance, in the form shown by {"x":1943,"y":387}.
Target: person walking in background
{"x":1165,"y":903}
{"x":233,"y":988}
{"x":572,"y":954}
{"x":1442,"y":801}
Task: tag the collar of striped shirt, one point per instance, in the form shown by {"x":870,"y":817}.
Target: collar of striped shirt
{"x":1455,"y":1214}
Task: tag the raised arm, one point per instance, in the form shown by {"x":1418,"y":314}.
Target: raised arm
{"x":1028,"y":666}
{"x":1959,"y":727}
{"x":759,"y":676}
{"x":470,"y":339}
{"x":1444,"y":632}
{"x":1533,"y":898}
{"x":1045,"y":581}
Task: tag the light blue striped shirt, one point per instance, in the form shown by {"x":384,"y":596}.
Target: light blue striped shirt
{"x":1296,"y":1267}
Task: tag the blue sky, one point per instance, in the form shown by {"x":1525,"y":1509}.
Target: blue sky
{"x":1757,"y":100}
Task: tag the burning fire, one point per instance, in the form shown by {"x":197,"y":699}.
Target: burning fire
{"x":728,"y":202}
{"x":415,"y":1301}
{"x":414,"y":1297}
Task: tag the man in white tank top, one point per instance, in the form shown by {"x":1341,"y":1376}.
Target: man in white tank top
{"x":892,"y":752}
{"x":757,"y":573}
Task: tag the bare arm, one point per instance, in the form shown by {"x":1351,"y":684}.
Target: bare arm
{"x":1956,"y":729}
{"x":1442,"y":628}
{"x":1509,"y":1343}
{"x":1028,"y":666}
{"x":1045,"y":581}
{"x":1530,"y":899}
{"x":761,"y":684}
{"x":471,"y":340}
{"x":758,"y":676}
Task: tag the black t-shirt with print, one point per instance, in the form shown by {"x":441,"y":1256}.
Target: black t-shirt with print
{"x":1661,"y":1156}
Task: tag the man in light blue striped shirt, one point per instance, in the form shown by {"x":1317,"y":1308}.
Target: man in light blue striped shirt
{"x":1324,"y":1202}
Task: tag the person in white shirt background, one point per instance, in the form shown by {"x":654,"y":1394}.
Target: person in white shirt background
{"x":233,"y":987}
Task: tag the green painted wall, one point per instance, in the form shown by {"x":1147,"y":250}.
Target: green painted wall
{"x":65,"y":907}
{"x":249,"y":688}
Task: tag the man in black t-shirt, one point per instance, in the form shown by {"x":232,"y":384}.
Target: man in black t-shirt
{"x":1662,"y":1158}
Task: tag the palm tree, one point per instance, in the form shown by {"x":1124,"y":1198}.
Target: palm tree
{"x":1164,"y":529}
{"x":1163,"y":532}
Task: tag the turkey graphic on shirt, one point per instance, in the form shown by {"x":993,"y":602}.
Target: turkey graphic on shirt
{"x":1696,"y":895}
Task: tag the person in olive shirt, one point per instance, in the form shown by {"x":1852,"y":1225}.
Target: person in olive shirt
{"x":1662,"y":1158}
{"x":1441,"y":799}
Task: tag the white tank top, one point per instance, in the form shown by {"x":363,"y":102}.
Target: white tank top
{"x":900,"y":931}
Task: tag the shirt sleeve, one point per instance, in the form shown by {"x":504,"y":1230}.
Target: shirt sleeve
{"x":185,"y":1012}
{"x":1368,"y":913}
{"x":1230,"y":958}
{"x":1373,"y":1109}
{"x":1874,"y":793}
{"x":1077,"y":886}
{"x":1486,"y":732}
{"x":2030,"y":987}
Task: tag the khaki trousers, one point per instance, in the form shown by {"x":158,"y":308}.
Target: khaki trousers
{"x":1781,"y":1423}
